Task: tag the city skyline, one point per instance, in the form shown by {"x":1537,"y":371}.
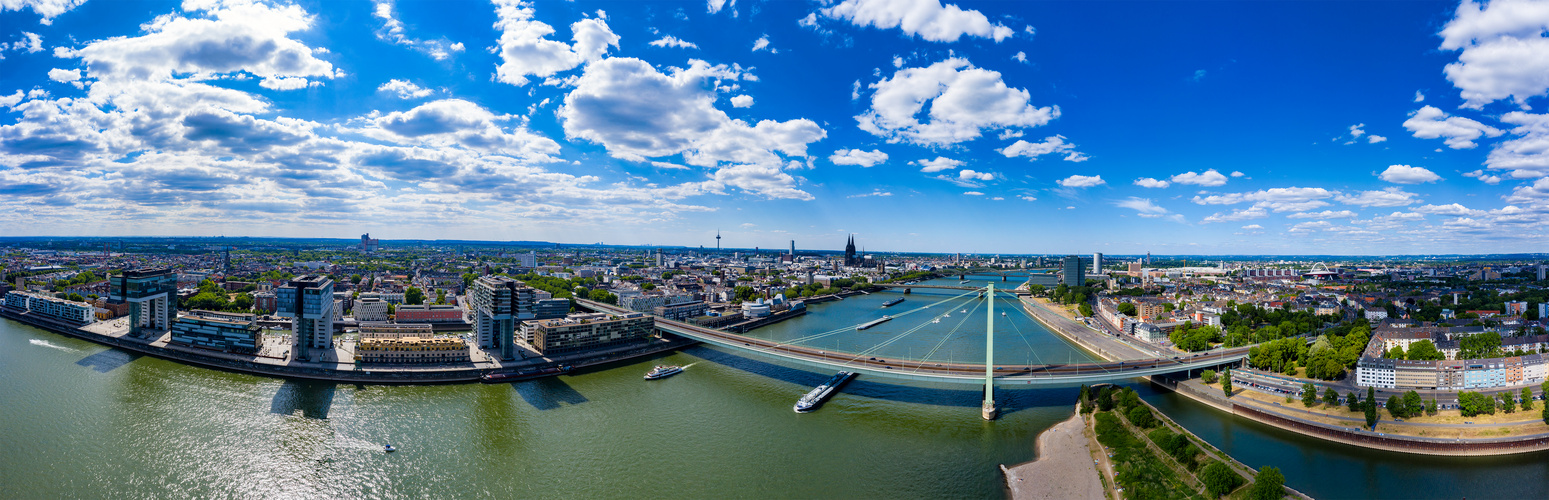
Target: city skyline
{"x":973,"y":127}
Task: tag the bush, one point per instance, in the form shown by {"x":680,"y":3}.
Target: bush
{"x":1141,"y":416}
{"x":1209,"y":376}
{"x":1160,"y":435}
{"x":1268,"y":485}
{"x":1219,"y":479}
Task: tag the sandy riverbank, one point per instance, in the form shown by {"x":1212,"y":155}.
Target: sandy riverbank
{"x":1063,"y":470}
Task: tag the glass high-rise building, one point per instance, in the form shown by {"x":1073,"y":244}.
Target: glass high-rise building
{"x":1074,"y":272}
{"x":152,"y":297}
{"x":308,"y":302}
{"x":498,"y":303}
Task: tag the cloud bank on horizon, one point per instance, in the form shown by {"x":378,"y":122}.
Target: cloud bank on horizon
{"x":921,"y":125}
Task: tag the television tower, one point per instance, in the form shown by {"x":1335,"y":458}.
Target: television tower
{"x":718,"y":240}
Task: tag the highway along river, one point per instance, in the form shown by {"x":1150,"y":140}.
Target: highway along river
{"x":84,"y":421}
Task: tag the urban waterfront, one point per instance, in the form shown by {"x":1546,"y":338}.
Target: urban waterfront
{"x":86,"y":421}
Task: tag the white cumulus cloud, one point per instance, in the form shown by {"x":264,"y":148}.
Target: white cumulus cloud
{"x":1081,"y":181}
{"x":1505,"y":50}
{"x":1390,"y":197}
{"x":963,"y":99}
{"x":1430,"y":122}
{"x":742,"y":101}
{"x":404,"y":89}
{"x":638,"y":112}
{"x":1209,"y":178}
{"x":1147,"y":182}
{"x":1405,"y":174}
{"x":47,"y":9}
{"x":858,"y":157}
{"x":1051,"y":144}
{"x":938,"y":164}
{"x":526,"y":51}
{"x":927,"y":19}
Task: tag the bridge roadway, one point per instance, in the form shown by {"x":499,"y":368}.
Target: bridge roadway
{"x":934,"y":287}
{"x":1005,"y":374}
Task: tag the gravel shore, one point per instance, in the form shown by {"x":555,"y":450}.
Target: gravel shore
{"x":1063,"y":470}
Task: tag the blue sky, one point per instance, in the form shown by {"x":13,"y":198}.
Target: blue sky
{"x":984,"y":127}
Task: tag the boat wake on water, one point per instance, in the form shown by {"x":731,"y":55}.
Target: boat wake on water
{"x":45,"y":343}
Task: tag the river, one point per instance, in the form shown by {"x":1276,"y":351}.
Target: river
{"x":84,"y":421}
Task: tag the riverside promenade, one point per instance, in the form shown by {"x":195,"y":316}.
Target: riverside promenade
{"x":338,"y":365}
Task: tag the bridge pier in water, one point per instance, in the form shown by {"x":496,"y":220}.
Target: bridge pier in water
{"x":988,"y":410}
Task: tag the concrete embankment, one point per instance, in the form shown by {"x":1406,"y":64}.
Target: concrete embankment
{"x":1063,"y":469}
{"x":384,"y":375}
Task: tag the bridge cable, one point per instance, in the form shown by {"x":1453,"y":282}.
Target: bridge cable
{"x":889,"y":341}
{"x":944,"y":339}
{"x":836,"y":331}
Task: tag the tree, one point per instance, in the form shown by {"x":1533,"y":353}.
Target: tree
{"x":414,"y":296}
{"x":1397,"y":352}
{"x":1209,"y":376}
{"x":1479,"y":345}
{"x":1086,"y":309}
{"x":1268,"y":485}
{"x":1331,"y":397}
{"x":603,"y":296}
{"x":1309,"y":395}
{"x":1425,"y":350}
{"x":1371,"y":408}
{"x":1128,"y":309}
{"x":1527,"y":398}
{"x":1395,"y":406}
{"x":1141,"y":416}
{"x":1353,"y":401}
{"x":440,"y":296}
{"x":1105,"y":398}
{"x":1226,"y":382}
{"x":1219,"y":479}
{"x":1508,"y":402}
{"x":1430,"y":407}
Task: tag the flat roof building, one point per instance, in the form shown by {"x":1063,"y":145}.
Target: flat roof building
{"x":227,"y":332}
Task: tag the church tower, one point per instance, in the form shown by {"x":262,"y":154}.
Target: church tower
{"x":849,"y":252}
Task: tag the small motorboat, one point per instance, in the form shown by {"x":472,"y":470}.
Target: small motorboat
{"x":389,"y":449}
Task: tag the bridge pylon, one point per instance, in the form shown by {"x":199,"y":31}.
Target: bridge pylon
{"x":988,"y":410}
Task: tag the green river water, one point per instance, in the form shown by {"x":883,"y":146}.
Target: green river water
{"x":84,"y":421}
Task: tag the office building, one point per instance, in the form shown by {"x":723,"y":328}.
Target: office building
{"x":1134,"y":269}
{"x":372,"y":309}
{"x":1097,"y":263}
{"x":368,"y":244}
{"x":1074,"y":272}
{"x":152,"y":297}
{"x":308,"y":301}
{"x":588,"y":331}
{"x":497,"y":303}
{"x":682,"y":312}
{"x":226,"y":332}
{"x":528,"y":260}
{"x":551,"y":308}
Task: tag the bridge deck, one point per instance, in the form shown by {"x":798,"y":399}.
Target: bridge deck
{"x":1005,"y":374}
